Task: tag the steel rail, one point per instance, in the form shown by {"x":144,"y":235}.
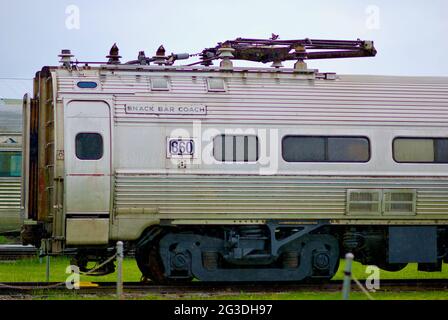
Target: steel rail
{"x":34,"y":288}
{"x":14,"y":252}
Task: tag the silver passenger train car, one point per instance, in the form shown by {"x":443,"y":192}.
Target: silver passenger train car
{"x":10,"y":164}
{"x":225,"y":173}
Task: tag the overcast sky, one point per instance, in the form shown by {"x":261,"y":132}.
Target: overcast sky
{"x":410,"y":35}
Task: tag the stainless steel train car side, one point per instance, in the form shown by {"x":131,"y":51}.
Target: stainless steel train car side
{"x":103,"y":163}
{"x":10,"y":164}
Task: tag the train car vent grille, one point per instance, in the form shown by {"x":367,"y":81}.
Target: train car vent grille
{"x":399,"y":202}
{"x":364,"y":201}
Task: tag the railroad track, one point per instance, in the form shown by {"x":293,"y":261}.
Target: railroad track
{"x":14,"y":252}
{"x":107,"y":288}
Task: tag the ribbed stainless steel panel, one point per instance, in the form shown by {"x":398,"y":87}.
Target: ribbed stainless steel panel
{"x":9,"y":194}
{"x":300,"y":101}
{"x":295,"y":195}
{"x":433,"y":201}
{"x":281,"y":98}
{"x":9,"y":204}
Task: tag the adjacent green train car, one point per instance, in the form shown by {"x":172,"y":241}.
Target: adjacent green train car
{"x":10,"y":165}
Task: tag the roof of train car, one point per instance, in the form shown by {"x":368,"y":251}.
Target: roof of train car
{"x":306,"y":74}
{"x":265,"y":95}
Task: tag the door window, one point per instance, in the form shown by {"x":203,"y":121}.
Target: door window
{"x":89,"y":146}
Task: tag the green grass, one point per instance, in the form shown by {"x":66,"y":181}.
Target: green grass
{"x":410,"y":272}
{"x":9,"y":240}
{"x":31,"y":270}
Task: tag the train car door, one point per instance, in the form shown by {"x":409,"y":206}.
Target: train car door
{"x":88,"y":171}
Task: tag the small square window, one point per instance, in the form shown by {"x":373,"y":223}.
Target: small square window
{"x":216,"y":85}
{"x":89,"y":146}
{"x":160,"y":84}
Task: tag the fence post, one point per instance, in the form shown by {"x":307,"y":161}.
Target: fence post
{"x":120,"y":270}
{"x":347,"y":276}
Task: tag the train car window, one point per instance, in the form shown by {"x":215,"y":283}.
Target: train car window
{"x":89,"y":146}
{"x":325,"y":149}
{"x":160,"y":84}
{"x":216,"y":85}
{"x":441,"y":150}
{"x":87,"y":85}
{"x":10,"y":163}
{"x":304,"y":149}
{"x":235,"y":148}
{"x":420,"y":150}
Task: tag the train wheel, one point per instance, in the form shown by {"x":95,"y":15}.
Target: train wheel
{"x":142,"y":259}
{"x":151,"y":265}
{"x":324,"y":257}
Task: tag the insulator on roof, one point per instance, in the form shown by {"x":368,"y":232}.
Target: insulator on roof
{"x":160,"y":51}
{"x":226,"y":54}
{"x":114,"y":56}
{"x":66,"y":58}
{"x":142,"y":58}
{"x":160,"y":57}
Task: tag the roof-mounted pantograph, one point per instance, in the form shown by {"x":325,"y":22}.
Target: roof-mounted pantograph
{"x":255,"y":50}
